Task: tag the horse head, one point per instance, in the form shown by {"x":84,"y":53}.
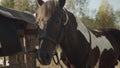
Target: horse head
{"x":52,"y":19}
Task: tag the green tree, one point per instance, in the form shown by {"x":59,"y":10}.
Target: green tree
{"x":77,"y":6}
{"x":23,"y":5}
{"x":33,"y":6}
{"x":117,"y":16}
{"x":8,"y":3}
{"x":105,"y":16}
{"x":89,"y":22}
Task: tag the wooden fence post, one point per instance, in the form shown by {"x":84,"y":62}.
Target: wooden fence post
{"x":31,"y":42}
{"x":17,"y":61}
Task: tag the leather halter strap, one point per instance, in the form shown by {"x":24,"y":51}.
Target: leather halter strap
{"x":65,"y":23}
{"x":67,"y":18}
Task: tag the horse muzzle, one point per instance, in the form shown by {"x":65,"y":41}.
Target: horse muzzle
{"x":44,"y":59}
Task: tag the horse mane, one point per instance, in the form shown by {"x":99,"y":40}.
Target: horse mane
{"x":111,"y":32}
{"x":49,"y":8}
{"x":72,"y":19}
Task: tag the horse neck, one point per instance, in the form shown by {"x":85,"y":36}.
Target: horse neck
{"x":74,"y":36}
{"x":84,"y":30}
{"x":73,"y":45}
{"x":70,"y":40}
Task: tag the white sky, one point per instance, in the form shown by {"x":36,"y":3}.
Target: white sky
{"x":94,"y":4}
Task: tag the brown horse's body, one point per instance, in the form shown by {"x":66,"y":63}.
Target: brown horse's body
{"x":82,"y":48}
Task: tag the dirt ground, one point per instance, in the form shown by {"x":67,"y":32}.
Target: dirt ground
{"x":52,"y":65}
{"x":118,"y":66}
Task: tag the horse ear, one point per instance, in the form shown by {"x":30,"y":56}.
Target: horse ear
{"x":40,"y":2}
{"x":62,"y":3}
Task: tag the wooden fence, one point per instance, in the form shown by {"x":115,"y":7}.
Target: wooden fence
{"x":25,"y":59}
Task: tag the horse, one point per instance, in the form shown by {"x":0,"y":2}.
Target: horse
{"x":84,"y":48}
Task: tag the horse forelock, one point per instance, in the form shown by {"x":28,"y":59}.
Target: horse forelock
{"x":46,"y":10}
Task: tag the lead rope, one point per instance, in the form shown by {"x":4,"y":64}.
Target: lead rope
{"x":90,"y":38}
{"x":57,"y":58}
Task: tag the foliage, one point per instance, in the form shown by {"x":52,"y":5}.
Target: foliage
{"x":89,"y":22}
{"x":117,"y":16}
{"x":8,"y":3}
{"x":23,"y":5}
{"x":105,"y":16}
{"x":77,"y":6}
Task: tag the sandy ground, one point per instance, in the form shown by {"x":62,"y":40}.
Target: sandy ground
{"x":52,"y":65}
{"x":118,"y":66}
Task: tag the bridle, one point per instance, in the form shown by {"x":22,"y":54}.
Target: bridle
{"x":55,"y":42}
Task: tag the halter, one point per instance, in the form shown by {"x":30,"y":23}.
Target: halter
{"x":55,"y":42}
{"x":67,"y":18}
{"x":52,"y":40}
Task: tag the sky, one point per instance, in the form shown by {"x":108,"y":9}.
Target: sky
{"x":94,"y":4}
{"x":115,"y":4}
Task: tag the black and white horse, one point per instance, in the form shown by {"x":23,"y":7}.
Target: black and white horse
{"x":82,"y":47}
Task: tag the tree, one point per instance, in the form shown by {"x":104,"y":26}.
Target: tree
{"x":105,"y":16}
{"x":77,"y":6}
{"x":117,"y":16}
{"x":33,"y":6}
{"x":89,"y":22}
{"x":23,"y":5}
{"x":8,"y":3}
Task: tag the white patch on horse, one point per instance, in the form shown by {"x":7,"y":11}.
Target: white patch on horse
{"x":82,"y":28}
{"x":100,"y":42}
{"x":59,"y":50}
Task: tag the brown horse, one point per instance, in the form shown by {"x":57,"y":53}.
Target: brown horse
{"x":83,"y":48}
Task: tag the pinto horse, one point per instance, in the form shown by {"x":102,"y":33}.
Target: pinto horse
{"x":84,"y":48}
